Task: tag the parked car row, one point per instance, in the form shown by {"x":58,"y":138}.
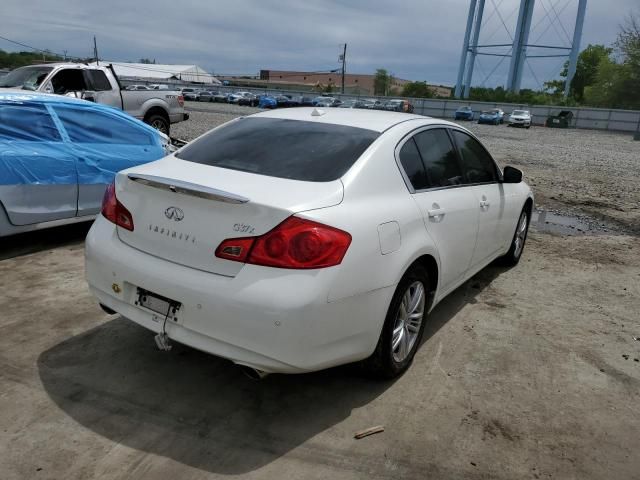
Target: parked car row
{"x":495,"y":116}
{"x":274,"y":100}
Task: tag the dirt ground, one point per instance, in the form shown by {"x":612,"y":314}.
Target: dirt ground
{"x":529,"y":372}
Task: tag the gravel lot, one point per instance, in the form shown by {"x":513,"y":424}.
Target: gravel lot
{"x":531,"y":372}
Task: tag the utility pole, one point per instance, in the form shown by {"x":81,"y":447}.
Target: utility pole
{"x":95,"y":50}
{"x":343,"y":57}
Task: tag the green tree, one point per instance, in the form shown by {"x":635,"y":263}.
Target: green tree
{"x":381,"y":82}
{"x":586,"y":72}
{"x":617,"y":84}
{"x":608,"y":91}
{"x":417,"y":90}
{"x":586,"y":69}
{"x":13,"y":60}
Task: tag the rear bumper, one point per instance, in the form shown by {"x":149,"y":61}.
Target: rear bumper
{"x":271,"y":319}
{"x":178,"y":117}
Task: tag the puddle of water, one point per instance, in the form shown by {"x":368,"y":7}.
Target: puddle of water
{"x":550,"y":222}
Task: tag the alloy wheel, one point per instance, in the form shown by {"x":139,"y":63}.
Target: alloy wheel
{"x":159,"y":125}
{"x":521,"y":235}
{"x":409,"y":319}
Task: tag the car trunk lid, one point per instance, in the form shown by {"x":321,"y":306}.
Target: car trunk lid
{"x":183,"y":210}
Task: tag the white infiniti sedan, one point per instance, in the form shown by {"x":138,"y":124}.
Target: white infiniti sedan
{"x":299,"y":239}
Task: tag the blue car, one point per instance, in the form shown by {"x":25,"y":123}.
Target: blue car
{"x":267,"y":101}
{"x":464,"y":113}
{"x":58,"y":154}
{"x":492,"y":117}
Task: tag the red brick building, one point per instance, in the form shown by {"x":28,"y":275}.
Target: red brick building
{"x":354,"y":83}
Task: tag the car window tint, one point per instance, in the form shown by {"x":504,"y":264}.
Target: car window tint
{"x":477,"y":164}
{"x":27,"y":122}
{"x":99,"y":80}
{"x":412,"y":165}
{"x":440,"y":159}
{"x":299,"y":150}
{"x":88,"y":126}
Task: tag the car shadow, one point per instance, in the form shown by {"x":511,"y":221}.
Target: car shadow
{"x":201,"y":410}
{"x":39,"y":240}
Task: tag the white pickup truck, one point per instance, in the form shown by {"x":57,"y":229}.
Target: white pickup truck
{"x":100,"y":84}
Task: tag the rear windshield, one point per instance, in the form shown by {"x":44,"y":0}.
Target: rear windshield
{"x":294,"y":149}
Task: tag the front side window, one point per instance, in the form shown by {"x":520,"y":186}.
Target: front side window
{"x":293,"y":149}
{"x":440,"y":159}
{"x":84,"y":125}
{"x":477,"y":164}
{"x":27,"y":123}
{"x":68,"y":80}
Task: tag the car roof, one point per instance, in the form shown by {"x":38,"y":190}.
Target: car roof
{"x":18,"y":95}
{"x":27,"y":96}
{"x":378,"y":121}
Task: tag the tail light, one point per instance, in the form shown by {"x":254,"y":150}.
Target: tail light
{"x":114,"y":211}
{"x":181,"y":100}
{"x":295,"y":243}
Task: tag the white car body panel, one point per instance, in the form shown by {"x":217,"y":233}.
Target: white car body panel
{"x":290,"y":321}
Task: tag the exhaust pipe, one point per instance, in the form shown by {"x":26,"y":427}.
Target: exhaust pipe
{"x":253,"y":373}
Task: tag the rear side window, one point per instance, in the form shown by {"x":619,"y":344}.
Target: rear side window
{"x":412,"y":165}
{"x":27,"y":123}
{"x":294,"y":149}
{"x":99,"y":80}
{"x":478,"y":165}
{"x":440,"y":159}
{"x":89,"y":126}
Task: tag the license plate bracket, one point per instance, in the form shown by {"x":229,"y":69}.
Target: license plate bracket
{"x":159,"y":304}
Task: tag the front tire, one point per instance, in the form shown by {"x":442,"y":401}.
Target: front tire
{"x":512,"y":257}
{"x":403,"y":326}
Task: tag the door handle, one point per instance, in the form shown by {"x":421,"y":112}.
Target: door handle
{"x":484,"y":203}
{"x":436,"y":212}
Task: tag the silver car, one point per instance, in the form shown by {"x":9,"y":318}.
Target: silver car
{"x":58,"y":154}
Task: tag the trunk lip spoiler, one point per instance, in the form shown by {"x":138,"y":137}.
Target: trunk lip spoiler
{"x":186,"y":188}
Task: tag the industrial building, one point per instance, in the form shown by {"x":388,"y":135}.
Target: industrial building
{"x":160,"y":73}
{"x":358,"y":84}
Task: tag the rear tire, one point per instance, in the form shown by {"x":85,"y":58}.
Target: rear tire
{"x":159,"y":123}
{"x":403,"y":326}
{"x":512,"y":257}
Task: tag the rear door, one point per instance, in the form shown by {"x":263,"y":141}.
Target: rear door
{"x":482,"y":176}
{"x":448,"y":207}
{"x":38,"y":180}
{"x":104,"y":92}
{"x":105,"y":142}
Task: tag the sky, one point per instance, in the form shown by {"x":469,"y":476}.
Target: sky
{"x":413,"y":39}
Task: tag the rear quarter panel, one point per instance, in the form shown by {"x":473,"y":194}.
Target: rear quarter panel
{"x":375,"y":194}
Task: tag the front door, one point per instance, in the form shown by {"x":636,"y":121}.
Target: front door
{"x":38,"y":179}
{"x":448,"y":207}
{"x":482,"y":176}
{"x":105,"y":143}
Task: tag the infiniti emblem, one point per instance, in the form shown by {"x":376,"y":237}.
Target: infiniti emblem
{"x":174,"y":213}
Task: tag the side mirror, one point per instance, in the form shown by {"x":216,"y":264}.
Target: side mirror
{"x":511,"y":175}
